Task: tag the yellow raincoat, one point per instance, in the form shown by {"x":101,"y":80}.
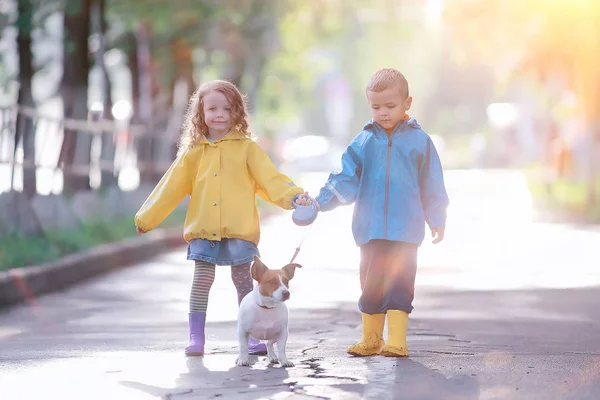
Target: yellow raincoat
{"x":222,"y":179}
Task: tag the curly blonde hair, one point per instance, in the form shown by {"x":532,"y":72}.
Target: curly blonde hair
{"x":194,"y":125}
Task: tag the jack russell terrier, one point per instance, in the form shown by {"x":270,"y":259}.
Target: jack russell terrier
{"x":264,"y":314}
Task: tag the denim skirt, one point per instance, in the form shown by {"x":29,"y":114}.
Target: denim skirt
{"x":225,"y":252}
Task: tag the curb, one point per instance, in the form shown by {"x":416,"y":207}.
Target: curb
{"x":25,"y":284}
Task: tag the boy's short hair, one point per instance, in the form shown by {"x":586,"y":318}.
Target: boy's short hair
{"x":386,"y":78}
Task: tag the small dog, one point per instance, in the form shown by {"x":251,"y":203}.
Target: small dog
{"x":263,"y":313}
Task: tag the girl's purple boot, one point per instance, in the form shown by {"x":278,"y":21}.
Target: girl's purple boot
{"x":196,"y":346}
{"x":197,"y":338}
{"x":256,"y":347}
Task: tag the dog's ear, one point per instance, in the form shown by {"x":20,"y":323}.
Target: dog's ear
{"x":258,"y":269}
{"x":289,"y":270}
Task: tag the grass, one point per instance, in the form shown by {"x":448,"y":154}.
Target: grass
{"x":18,"y":250}
{"x":566,"y":197}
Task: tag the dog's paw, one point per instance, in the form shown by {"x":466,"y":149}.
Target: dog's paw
{"x":273,"y":360}
{"x":242,"y":362}
{"x":287,"y":364}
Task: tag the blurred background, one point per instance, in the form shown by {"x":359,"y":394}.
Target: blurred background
{"x":92,"y":92}
{"x":92,"y":95}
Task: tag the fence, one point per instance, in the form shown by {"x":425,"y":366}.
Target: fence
{"x":104,"y":149}
{"x":76,"y":167}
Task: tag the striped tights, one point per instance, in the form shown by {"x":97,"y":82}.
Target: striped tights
{"x":204,"y":276}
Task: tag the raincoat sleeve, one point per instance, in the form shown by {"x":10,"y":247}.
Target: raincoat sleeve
{"x":341,"y":188}
{"x":175,"y":184}
{"x":273,"y":186}
{"x":433,"y":192}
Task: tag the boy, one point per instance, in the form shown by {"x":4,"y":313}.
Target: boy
{"x":393,"y":174}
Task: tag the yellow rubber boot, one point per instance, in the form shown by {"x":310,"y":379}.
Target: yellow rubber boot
{"x":372,"y":336}
{"x":397,"y":326}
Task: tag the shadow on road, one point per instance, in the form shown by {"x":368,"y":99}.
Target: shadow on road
{"x":415,"y":381}
{"x":200,"y":380}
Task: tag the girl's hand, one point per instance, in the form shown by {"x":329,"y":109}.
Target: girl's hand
{"x":438,"y":234}
{"x":139,"y":231}
{"x":302,"y":199}
{"x":305,"y":200}
{"x":305,"y":211}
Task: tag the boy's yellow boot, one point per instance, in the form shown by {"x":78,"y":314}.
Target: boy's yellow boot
{"x":397,"y":326}
{"x":372,"y":336}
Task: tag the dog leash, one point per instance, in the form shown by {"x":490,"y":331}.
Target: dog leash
{"x":300,"y":244}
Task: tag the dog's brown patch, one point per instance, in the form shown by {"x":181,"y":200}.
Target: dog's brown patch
{"x":269,"y":280}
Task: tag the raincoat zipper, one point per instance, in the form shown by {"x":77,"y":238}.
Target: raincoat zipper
{"x":387,"y":186}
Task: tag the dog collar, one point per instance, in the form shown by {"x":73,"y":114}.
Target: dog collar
{"x":265,"y":307}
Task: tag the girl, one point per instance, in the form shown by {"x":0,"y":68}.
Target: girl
{"x":222,"y":169}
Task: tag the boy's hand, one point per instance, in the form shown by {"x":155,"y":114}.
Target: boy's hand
{"x":139,"y":231}
{"x":305,"y":211}
{"x":438,"y":234}
{"x":305,"y":200}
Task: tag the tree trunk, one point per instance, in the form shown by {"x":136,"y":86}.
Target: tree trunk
{"x":76,"y":146}
{"x":258,"y":62}
{"x":593,"y":175}
{"x":181,"y":87}
{"x":25,"y":127}
{"x":134,"y":70}
{"x":234,"y":41}
{"x":181,"y":56}
{"x":237,"y":69}
{"x":108,"y":149}
{"x":145,"y":142}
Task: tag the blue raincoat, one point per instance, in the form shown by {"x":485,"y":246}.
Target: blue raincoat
{"x":396,"y":182}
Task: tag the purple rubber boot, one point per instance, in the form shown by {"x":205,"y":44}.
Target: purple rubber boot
{"x":256,"y":347}
{"x":196,"y":346}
